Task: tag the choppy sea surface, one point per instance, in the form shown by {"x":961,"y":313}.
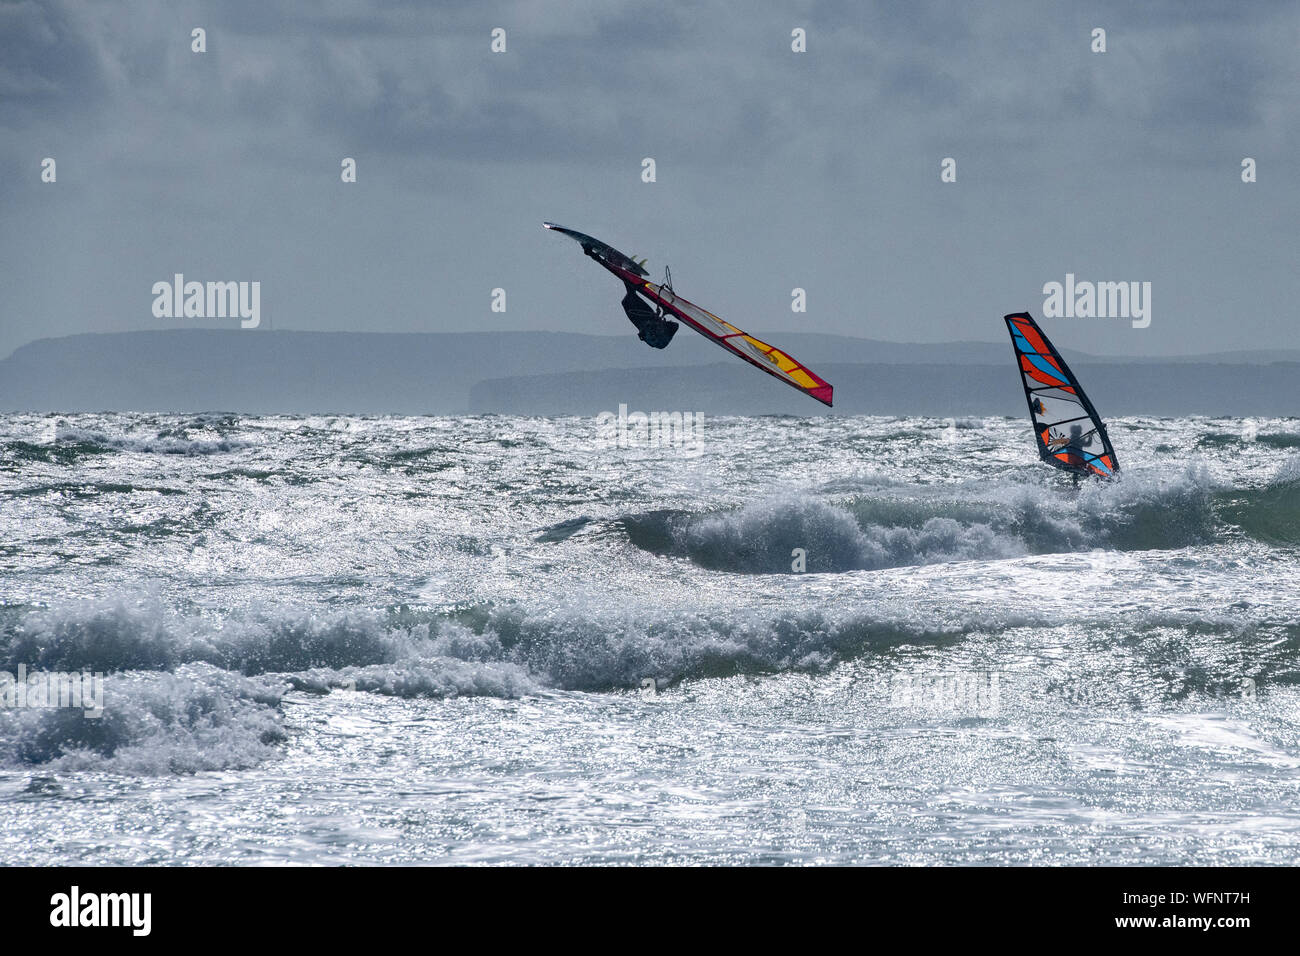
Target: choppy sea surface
{"x":343,"y":640}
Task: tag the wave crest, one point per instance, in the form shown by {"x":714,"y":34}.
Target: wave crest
{"x":902,"y":527}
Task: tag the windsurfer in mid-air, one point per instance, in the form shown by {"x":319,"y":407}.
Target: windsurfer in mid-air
{"x":649,"y":304}
{"x":652,"y":329}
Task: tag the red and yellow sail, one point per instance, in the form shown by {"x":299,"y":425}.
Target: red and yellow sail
{"x":753,"y":350}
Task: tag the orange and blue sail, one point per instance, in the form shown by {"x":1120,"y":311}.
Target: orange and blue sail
{"x":736,"y":341}
{"x":1069,"y":433}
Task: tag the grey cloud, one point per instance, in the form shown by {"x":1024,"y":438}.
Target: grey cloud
{"x":818,"y":170}
{"x":49,"y":64}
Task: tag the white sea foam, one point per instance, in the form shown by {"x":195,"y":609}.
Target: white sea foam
{"x":147,"y":444}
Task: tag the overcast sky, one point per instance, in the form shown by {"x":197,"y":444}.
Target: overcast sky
{"x":775,"y":169}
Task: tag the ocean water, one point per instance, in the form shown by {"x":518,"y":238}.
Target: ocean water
{"x":500,"y":640}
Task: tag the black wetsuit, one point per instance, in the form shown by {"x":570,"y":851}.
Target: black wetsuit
{"x":652,"y":330}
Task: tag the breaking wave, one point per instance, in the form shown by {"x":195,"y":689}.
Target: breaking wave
{"x":198,"y":718}
{"x":900,"y":526}
{"x":187,"y":692}
{"x":71,"y":440}
{"x":498,"y":651}
{"x":1271,"y":513}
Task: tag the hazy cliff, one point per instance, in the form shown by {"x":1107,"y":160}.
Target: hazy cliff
{"x":563,"y":373}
